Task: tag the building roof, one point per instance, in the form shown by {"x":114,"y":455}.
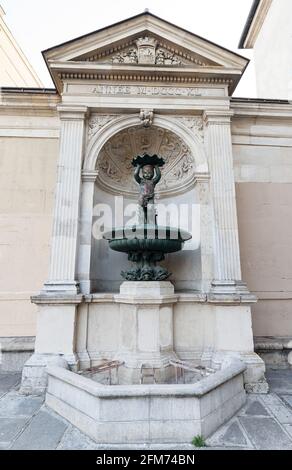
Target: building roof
{"x":254,"y":23}
{"x":89,"y":56}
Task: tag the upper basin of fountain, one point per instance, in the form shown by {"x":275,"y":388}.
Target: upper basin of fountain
{"x":146,"y":243}
{"x":149,"y":232}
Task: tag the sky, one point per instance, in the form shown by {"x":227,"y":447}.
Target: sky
{"x":40,"y":24}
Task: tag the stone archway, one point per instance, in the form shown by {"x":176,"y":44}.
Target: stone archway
{"x":188,"y":129}
{"x":113,"y":141}
{"x":114,"y":164}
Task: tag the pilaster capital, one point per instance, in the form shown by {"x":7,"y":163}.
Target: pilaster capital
{"x":72,"y":113}
{"x":89,"y":176}
{"x":217,"y":116}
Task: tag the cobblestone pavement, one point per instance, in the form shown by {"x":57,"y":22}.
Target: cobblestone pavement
{"x":265,"y":422}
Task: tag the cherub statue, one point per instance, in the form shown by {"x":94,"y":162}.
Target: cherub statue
{"x":147,"y":183}
{"x":151,"y":175}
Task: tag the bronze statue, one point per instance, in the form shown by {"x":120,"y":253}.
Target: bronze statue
{"x":151,"y":175}
{"x":148,"y":246}
{"x":147,"y":183}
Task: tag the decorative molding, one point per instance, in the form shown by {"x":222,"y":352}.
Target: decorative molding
{"x":127,"y":122}
{"x":203,"y":187}
{"x":226,"y":245}
{"x":217,"y":117}
{"x":146,"y":116}
{"x":72,"y":113}
{"x":66,"y":212}
{"x":114,"y":162}
{"x":128,"y":56}
{"x":196,"y":125}
{"x":143,"y":77}
{"x":257,"y":24}
{"x":89,"y":176}
{"x":164,"y":57}
{"x":146,"y":50}
{"x":97,"y":121}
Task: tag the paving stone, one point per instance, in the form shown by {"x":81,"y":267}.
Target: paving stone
{"x":280,"y":381}
{"x":287,"y":399}
{"x":277,"y":408}
{"x":226,"y":448}
{"x":230,"y":434}
{"x":234,"y":435}
{"x":145,"y":447}
{"x":4,"y":446}
{"x":266,"y":433}
{"x":265,"y":422}
{"x":255,"y":408}
{"x":14,"y":404}
{"x":10,"y":427}
{"x":288,"y":429}
{"x":44,"y":432}
{"x":8,"y":381}
{"x":74,"y":439}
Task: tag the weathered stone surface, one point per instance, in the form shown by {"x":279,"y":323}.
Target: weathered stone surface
{"x":18,"y":432}
{"x":14,"y":404}
{"x":266,"y":433}
{"x":256,"y":409}
{"x":287,"y":399}
{"x":288,"y":429}
{"x":234,"y":435}
{"x":280,"y":381}
{"x":73,"y":439}
{"x":10,"y":427}
{"x":44,"y":432}
{"x":7,"y":381}
{"x":120,"y":415}
{"x":230,"y":435}
{"x":4,"y":446}
{"x":277,"y":408}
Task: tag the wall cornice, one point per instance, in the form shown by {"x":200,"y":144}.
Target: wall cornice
{"x":273,"y":110}
{"x":251,"y":32}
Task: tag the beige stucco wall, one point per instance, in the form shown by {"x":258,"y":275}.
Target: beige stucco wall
{"x":27,"y":180}
{"x":264,"y":212}
{"x":263,"y":172}
{"x":262,"y":144}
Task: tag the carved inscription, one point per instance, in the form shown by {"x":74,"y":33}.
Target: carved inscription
{"x":148,"y":90}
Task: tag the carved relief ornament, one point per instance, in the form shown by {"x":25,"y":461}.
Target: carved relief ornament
{"x":97,"y":121}
{"x":146,"y":50}
{"x":115,"y":168}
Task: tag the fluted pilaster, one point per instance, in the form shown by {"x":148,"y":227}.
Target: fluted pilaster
{"x":67,"y":201}
{"x":226,"y":264}
{"x":85,"y":237}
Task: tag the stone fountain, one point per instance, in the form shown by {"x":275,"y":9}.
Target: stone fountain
{"x":147,"y":295}
{"x":147,"y":243}
{"x":149,"y":396}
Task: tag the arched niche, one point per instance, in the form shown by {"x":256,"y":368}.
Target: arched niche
{"x":177,"y":199}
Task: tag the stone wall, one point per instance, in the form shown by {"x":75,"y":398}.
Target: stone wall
{"x":262,"y":140}
{"x":28,"y":161}
{"x":263,"y":174}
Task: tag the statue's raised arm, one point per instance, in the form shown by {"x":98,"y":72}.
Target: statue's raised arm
{"x":137,"y":174}
{"x":157,"y":176}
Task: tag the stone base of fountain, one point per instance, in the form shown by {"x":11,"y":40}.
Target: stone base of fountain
{"x":138,"y":415}
{"x":146,"y":399}
{"x":146,"y":330}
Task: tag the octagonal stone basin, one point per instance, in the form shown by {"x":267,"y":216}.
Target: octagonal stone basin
{"x":123,"y":415}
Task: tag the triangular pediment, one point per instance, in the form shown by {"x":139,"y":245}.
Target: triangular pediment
{"x":146,"y":49}
{"x":144,"y":43}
